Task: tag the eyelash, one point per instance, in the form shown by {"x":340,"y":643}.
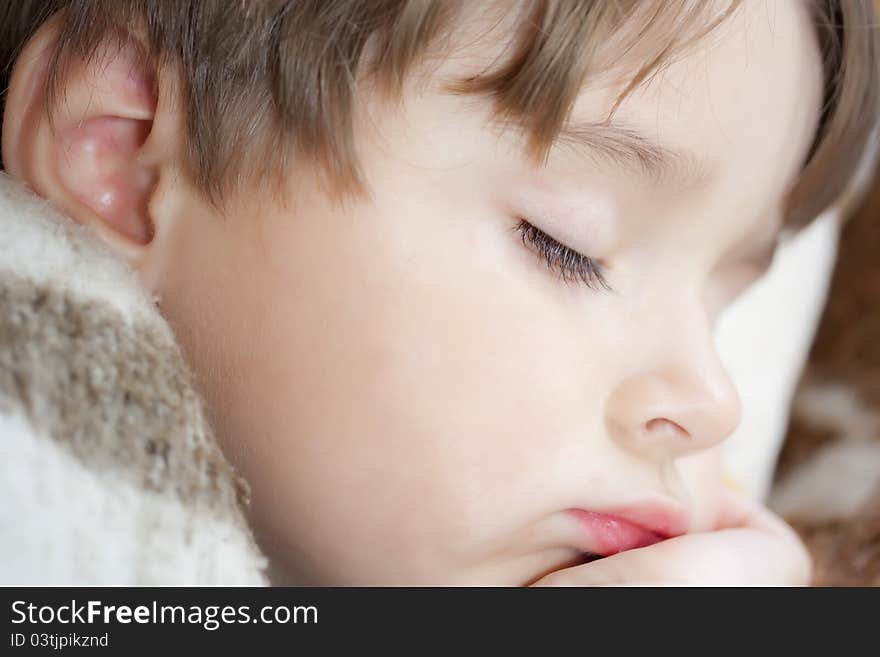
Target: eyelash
{"x":569,"y":264}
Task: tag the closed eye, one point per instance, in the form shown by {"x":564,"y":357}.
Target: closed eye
{"x":568,"y":263}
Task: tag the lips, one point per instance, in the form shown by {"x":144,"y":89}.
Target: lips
{"x":626,"y":528}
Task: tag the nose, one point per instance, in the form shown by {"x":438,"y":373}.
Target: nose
{"x":677,"y":398}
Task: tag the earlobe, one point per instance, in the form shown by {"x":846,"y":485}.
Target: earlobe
{"x":87,"y":153}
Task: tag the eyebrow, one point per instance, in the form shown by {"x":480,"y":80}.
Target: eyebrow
{"x":626,"y":148}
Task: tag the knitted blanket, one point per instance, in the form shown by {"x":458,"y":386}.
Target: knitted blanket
{"x":109,"y":473}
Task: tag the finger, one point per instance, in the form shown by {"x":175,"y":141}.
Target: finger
{"x":741,"y":511}
{"x":745,"y":556}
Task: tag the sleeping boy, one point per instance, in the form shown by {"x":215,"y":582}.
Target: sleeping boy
{"x":446,"y":273}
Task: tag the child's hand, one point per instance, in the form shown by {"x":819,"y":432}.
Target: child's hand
{"x":752,"y":547}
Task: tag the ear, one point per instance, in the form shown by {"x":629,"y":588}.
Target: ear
{"x":88,"y":153}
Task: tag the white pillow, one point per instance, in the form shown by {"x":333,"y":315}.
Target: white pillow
{"x":764,"y":338}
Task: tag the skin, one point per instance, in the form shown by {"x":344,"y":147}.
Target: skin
{"x":414,"y":396}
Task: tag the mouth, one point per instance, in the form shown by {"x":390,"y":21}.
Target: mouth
{"x":608,"y":532}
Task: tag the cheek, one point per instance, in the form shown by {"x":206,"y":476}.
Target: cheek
{"x":396,"y":385}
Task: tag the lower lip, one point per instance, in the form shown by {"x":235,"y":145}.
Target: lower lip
{"x":610,"y":534}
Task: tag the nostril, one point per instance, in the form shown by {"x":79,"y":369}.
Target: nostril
{"x":661,"y":426}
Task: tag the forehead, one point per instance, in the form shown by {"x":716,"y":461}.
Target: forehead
{"x":743,"y":102}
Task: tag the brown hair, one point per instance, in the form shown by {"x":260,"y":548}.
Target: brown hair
{"x":266,"y":79}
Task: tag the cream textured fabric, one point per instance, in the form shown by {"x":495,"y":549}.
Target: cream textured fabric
{"x":109,"y":473}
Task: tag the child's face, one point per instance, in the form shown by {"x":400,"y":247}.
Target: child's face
{"x":416,"y":398}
